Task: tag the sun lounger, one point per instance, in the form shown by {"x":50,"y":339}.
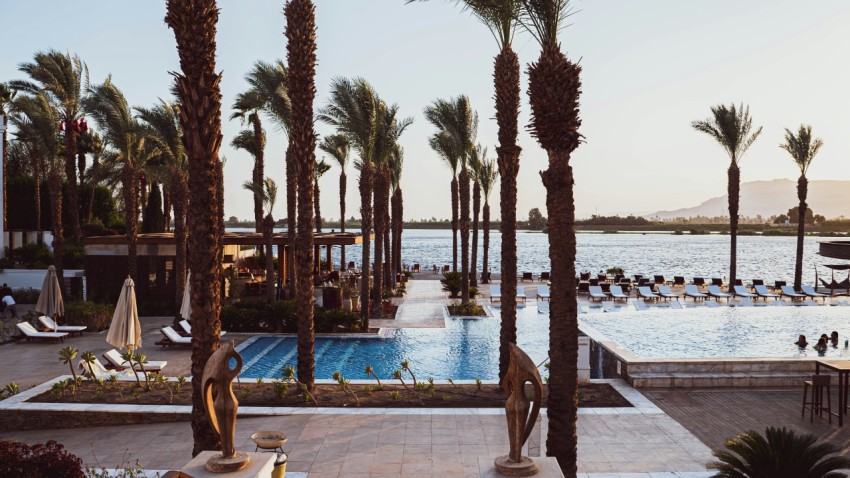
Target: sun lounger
{"x":596,"y":293}
{"x":617,"y":293}
{"x":526,"y":276}
{"x":496,"y":294}
{"x":665,"y":292}
{"x":187,"y":327}
{"x":789,"y":291}
{"x":113,"y":357}
{"x":699,"y":282}
{"x":545,"y":276}
{"x":640,"y":305}
{"x":811,"y":292}
{"x":716,"y":281}
{"x":694,"y":293}
{"x":543,"y":292}
{"x":646,"y":293}
{"x":762,"y":292}
{"x":102,"y":373}
{"x":659,"y":280}
{"x":71,"y":329}
{"x":712,"y":304}
{"x":30,"y":333}
{"x":714,"y":291}
{"x":741,"y":291}
{"x":679,"y":280}
{"x":777,"y":285}
{"x":171,"y":337}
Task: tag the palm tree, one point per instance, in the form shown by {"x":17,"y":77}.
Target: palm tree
{"x":194,"y":24}
{"x":35,"y":119}
{"x":321,"y":168}
{"x":338,"y":146}
{"x":779,"y":453}
{"x":301,"y":60}
{"x":352,"y":109}
{"x":7,"y":94}
{"x":163,"y":130}
{"x":109,"y":108}
{"x":731,"y":126}
{"x":247,"y":107}
{"x":803,"y":148}
{"x":446,"y":148}
{"x":268,"y":194}
{"x":397,"y":204}
{"x":65,"y":78}
{"x":476,"y":160}
{"x":246,"y":140}
{"x":553,"y":90}
{"x":486,"y":175}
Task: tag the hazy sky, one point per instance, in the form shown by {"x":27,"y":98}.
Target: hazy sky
{"x":649,"y":69}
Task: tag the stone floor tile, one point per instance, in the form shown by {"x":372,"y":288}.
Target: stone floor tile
{"x":415,"y":468}
{"x":379,"y":466}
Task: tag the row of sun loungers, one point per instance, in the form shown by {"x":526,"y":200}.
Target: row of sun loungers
{"x":172,"y":337}
{"x":52,"y":332}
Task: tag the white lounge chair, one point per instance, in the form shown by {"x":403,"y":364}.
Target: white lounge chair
{"x":646,"y":293}
{"x":789,"y":291}
{"x":694,"y":293}
{"x":102,"y":373}
{"x":543,"y":292}
{"x":30,"y":333}
{"x":71,"y":329}
{"x":617,"y":293}
{"x":495,"y":293}
{"x":173,"y":338}
{"x":714,"y":291}
{"x":640,"y":305}
{"x":117,"y":361}
{"x":765,"y":294}
{"x":741,"y":291}
{"x":665,"y":292}
{"x":811,"y":292}
{"x":596,"y":293}
{"x":187,"y":327}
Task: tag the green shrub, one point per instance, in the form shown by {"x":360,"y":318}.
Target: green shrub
{"x":94,"y":315}
{"x":27,"y":295}
{"x":156,"y":308}
{"x":468,"y":309}
{"x":42,"y":459}
{"x":452,"y":283}
{"x":281,"y":317}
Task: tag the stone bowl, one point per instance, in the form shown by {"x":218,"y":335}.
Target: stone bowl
{"x":269,"y":440}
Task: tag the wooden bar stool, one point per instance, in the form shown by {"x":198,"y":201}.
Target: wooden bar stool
{"x":819,"y":384}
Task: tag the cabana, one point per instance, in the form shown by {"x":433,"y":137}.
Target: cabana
{"x":834,"y":250}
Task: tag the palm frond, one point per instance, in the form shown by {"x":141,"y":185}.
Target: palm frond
{"x":268,"y":82}
{"x":732,"y":127}
{"x":802,"y":147}
{"x":337,"y":146}
{"x":544,"y":19}
{"x":245,"y":140}
{"x":64,"y":76}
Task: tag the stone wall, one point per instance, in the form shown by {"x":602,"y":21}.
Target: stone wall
{"x":12,"y":420}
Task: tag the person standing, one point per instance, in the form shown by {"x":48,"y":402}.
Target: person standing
{"x":10,"y":305}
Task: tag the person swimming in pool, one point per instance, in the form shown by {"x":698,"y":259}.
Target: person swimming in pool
{"x":833,"y":338}
{"x":821,"y":346}
{"x":802,"y":342}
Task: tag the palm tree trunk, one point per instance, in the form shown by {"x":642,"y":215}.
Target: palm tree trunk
{"x":301,"y":59}
{"x":485,"y":258}
{"x":180,"y":198}
{"x":268,"y":231}
{"x":5,"y":159}
{"x":734,"y":188}
{"x":506,"y":79}
{"x":397,"y":222}
{"x":563,"y":322}
{"x":131,"y":214}
{"x":476,"y":206}
{"x":464,"y":234}
{"x":389,"y":282}
{"x":93,"y":184}
{"x":194,"y":24}
{"x":37,"y":174}
{"x":54,"y":187}
{"x":291,"y":218}
{"x":342,"y":186}
{"x":71,"y":178}
{"x":365,"y":184}
{"x":380,"y":227}
{"x":802,"y":193}
{"x":259,"y":171}
{"x":454,"y":223}
{"x":316,"y":206}
{"x":166,"y":208}
{"x":142,"y":196}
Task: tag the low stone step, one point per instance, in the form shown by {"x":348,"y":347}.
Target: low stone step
{"x":728,"y":379}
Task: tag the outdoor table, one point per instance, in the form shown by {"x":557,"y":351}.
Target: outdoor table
{"x":843,"y":369}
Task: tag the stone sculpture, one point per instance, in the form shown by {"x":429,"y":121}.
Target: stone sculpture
{"x":220,"y":404}
{"x":521,"y":369}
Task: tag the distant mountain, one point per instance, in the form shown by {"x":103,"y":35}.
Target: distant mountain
{"x":830,"y":199}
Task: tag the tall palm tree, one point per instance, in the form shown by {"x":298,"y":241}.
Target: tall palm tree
{"x":780,"y":452}
{"x":301,"y":60}
{"x":803,"y":148}
{"x":338,"y":147}
{"x":397,"y":204}
{"x":487,"y":173}
{"x":446,"y":148}
{"x":109,"y":108}
{"x":246,"y":140}
{"x":456,"y":118}
{"x":353,"y":110}
{"x":247,"y":107}
{"x":476,"y":161}
{"x":732,"y":127}
{"x":268,"y":194}
{"x":7,"y":94}
{"x":194,"y":25}
{"x":554,"y":87}
{"x":35,"y":119}
{"x":65,"y":77}
{"x":321,"y":168}
{"x":163,"y":130}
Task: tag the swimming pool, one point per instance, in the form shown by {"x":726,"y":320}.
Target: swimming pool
{"x":469,"y":349}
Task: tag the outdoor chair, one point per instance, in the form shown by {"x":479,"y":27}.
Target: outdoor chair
{"x":714,"y":291}
{"x":761,"y":291}
{"x":819,"y":384}
{"x":811,"y":292}
{"x":171,"y":337}
{"x":102,"y":373}
{"x":659,"y":280}
{"x":543,"y":292}
{"x":593,"y":281}
{"x":29,"y":333}
{"x":778,"y":285}
{"x":646,"y":293}
{"x":738,"y":282}
{"x":545,"y":276}
{"x":617,"y":293}
{"x":115,"y":360}
{"x":618,"y":278}
{"x":187,"y":327}
{"x":48,"y":323}
{"x":717,"y":281}
{"x":351,"y":265}
{"x":694,"y":293}
{"x":527,"y":276}
{"x":596,"y":293}
{"x":679,"y":280}
{"x":602,"y":277}
{"x":789,"y":291}
{"x":665,"y":292}
{"x":584,"y":276}
{"x":757,"y":282}
{"x":741,"y":291}
{"x":699,"y":281}
{"x":583,"y":287}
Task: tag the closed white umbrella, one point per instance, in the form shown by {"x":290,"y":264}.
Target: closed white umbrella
{"x":125,"y":331}
{"x":186,"y":306}
{"x":50,"y":299}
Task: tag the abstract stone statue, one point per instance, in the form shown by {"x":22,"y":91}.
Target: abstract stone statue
{"x":220,"y":404}
{"x":521,"y":369}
